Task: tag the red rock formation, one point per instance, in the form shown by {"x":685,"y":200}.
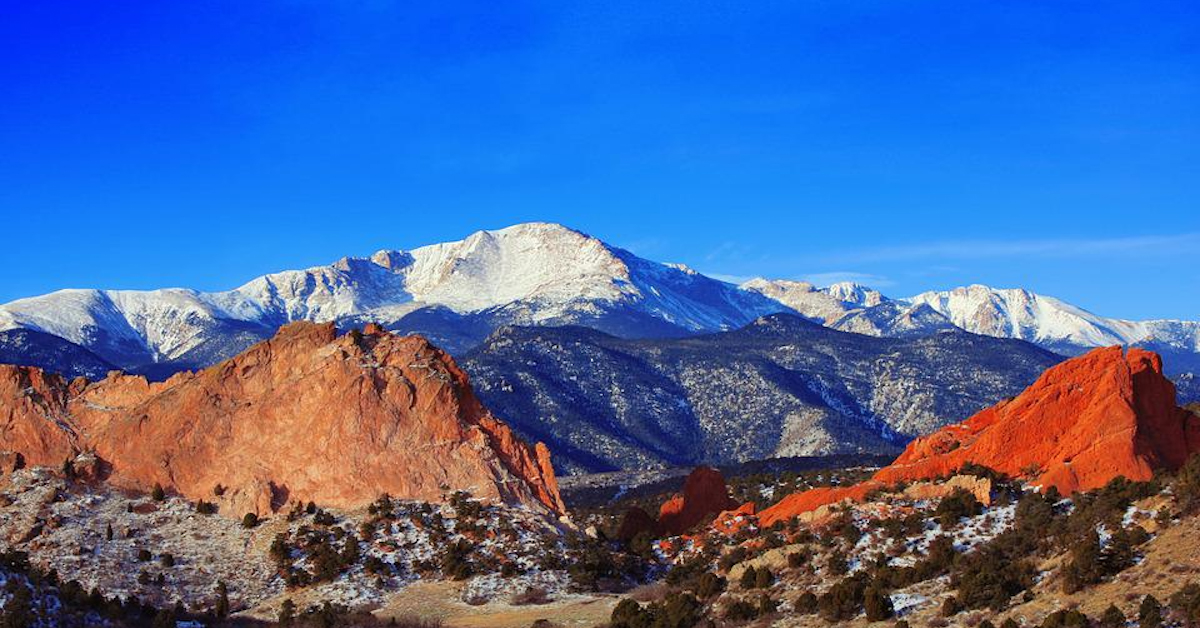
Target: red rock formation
{"x":636,"y":521}
{"x":704,"y":494}
{"x":305,"y":415}
{"x":1105,"y":414}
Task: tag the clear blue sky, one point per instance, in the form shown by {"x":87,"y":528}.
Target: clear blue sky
{"x":914,"y":144}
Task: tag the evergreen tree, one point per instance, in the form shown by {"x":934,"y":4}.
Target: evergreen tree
{"x":1150,"y":613}
{"x":749,"y":578}
{"x":158,"y":494}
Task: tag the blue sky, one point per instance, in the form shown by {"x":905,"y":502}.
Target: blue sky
{"x":913,"y":145}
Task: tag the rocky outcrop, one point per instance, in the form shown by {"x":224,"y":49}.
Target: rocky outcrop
{"x":704,"y":494}
{"x":1084,"y":422}
{"x":1104,"y":414}
{"x":306,"y":415}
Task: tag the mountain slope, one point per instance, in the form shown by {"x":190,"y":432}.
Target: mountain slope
{"x":32,"y":348}
{"x":530,"y":274}
{"x":782,"y":386}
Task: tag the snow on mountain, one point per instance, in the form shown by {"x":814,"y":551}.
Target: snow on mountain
{"x":895,"y":319}
{"x":822,"y":304}
{"x":1043,"y":320}
{"x":531,"y":274}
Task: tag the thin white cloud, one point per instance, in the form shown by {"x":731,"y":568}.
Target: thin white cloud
{"x":1061,"y":247}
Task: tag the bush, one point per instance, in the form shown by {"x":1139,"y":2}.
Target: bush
{"x":287,"y":614}
{"x":709,"y":585}
{"x":843,"y":600}
{"x":1187,"y":485}
{"x":1150,"y":613}
{"x":806,"y":604}
{"x":749,"y":577}
{"x":1065,"y":619}
{"x":1186,"y":601}
{"x":144,"y":555}
{"x":250,"y":520}
{"x":763,"y":578}
{"x":740,"y":610}
{"x":158,"y":494}
{"x":1112,"y":617}
{"x":837,"y":564}
{"x":877,"y":604}
{"x":955,"y":506}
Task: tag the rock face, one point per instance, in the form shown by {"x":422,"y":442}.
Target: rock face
{"x":1082,"y":423}
{"x":306,"y":415}
{"x":1105,"y":414}
{"x":704,"y":493}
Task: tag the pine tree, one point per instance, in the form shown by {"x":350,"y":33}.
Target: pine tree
{"x":749,"y":578}
{"x":158,"y":494}
{"x":108,"y":532}
{"x":1150,"y":613}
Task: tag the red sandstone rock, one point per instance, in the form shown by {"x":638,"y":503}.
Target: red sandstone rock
{"x":704,"y":494}
{"x":1105,"y":414}
{"x":305,"y":416}
{"x":1082,"y":423}
{"x":733,"y":521}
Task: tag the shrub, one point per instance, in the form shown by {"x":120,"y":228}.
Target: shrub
{"x":877,"y":604}
{"x":158,"y":494}
{"x":144,"y":555}
{"x":1150,"y":613}
{"x":1112,"y":617}
{"x":844,"y":599}
{"x":1186,"y":601}
{"x":749,"y":577}
{"x":955,"y":506}
{"x":837,"y":564}
{"x":1065,"y":619}
{"x":709,"y":585}
{"x":763,"y":578}
{"x":287,"y":614}
{"x":221,"y":610}
{"x":806,"y":604}
{"x":740,"y":610}
{"x":250,"y":520}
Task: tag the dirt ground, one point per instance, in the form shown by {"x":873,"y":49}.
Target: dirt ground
{"x":441,"y":600}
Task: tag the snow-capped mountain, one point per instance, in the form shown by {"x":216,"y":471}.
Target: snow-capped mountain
{"x":457,"y":293}
{"x":1043,"y":320}
{"x":824,"y":305}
